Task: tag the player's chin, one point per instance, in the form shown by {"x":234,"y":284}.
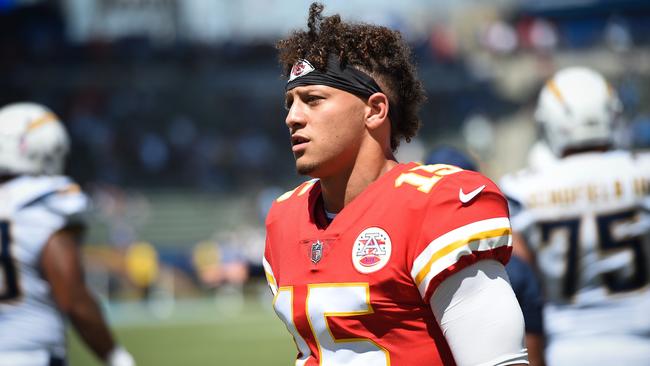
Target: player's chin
{"x":306,"y":167}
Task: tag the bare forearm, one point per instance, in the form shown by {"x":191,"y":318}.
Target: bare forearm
{"x":535,"y":344}
{"x":87,"y":319}
{"x":61,"y":265}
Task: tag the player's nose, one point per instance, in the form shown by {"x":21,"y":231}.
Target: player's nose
{"x":295,"y":117}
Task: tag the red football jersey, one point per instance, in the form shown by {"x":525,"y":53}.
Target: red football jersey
{"x":356,"y":291}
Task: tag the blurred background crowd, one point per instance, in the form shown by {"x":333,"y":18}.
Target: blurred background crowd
{"x":175,"y":110}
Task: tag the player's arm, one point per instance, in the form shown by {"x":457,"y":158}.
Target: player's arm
{"x":521,"y":249}
{"x":459,"y":270}
{"x":61,"y":265}
{"x":535,"y":343}
{"x":480,"y":317}
{"x":529,"y":295}
{"x":534,"y":339}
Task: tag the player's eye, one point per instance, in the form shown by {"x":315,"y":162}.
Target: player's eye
{"x":313,"y":99}
{"x":288,"y":103}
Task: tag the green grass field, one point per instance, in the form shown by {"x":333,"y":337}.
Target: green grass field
{"x":197,"y":333}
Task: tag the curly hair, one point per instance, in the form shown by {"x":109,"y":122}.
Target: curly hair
{"x":376,"y":50}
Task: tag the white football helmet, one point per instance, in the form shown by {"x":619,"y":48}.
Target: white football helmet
{"x":32,"y":140}
{"x":577,"y":108}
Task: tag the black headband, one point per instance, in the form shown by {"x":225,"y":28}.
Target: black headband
{"x":335,"y":75}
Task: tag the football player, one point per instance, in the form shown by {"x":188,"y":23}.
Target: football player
{"x":522,"y":276}
{"x":41,"y":277}
{"x":584,"y":218}
{"x":374,"y":262}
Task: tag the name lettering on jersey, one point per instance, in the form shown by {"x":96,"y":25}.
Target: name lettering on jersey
{"x":592,"y":193}
{"x":641,"y":187}
{"x":425,"y":182}
{"x":371,"y":250}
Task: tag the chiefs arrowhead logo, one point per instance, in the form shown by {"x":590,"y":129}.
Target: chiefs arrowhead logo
{"x":300,"y":68}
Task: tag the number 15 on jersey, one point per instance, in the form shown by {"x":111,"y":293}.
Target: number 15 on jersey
{"x":322,"y":302}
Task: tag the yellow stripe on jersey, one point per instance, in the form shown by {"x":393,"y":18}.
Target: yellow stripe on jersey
{"x":456,"y":235}
{"x":496,"y":233}
{"x":270,"y":278}
{"x":44,"y":119}
{"x":444,"y":250}
{"x":305,"y":187}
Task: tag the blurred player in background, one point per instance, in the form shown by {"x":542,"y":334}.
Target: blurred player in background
{"x":41,"y":277}
{"x":375,"y":262}
{"x":540,"y":155}
{"x":522,"y":277}
{"x":585,"y":219}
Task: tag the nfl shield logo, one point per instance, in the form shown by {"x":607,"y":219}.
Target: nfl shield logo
{"x":316,"y":251}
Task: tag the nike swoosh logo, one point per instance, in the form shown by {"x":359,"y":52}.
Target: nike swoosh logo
{"x":464,"y":198}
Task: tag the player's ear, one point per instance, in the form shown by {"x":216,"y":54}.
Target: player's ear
{"x":377,"y":110}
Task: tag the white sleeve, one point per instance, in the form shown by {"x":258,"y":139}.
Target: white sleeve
{"x":480,"y":317}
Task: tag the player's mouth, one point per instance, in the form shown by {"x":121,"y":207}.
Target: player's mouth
{"x":298,"y":143}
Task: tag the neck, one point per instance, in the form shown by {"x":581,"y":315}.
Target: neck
{"x":340,"y":189}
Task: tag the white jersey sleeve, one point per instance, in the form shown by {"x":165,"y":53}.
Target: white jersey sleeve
{"x":69,"y":204}
{"x":31,"y":210}
{"x":461,"y":304}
